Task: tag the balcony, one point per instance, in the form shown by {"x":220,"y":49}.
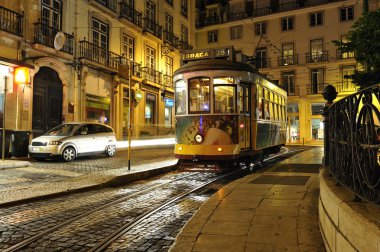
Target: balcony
{"x":236,"y":16}
{"x":262,"y":63}
{"x":344,"y":55}
{"x":151,"y":75}
{"x":288,"y":60}
{"x":109,"y":4}
{"x":184,"y":45}
{"x":317,"y":57}
{"x":136,"y":67}
{"x":346,"y":86}
{"x":129,"y":13}
{"x":44,"y":35}
{"x":203,"y":19}
{"x":99,"y":55}
{"x":206,"y":21}
{"x":11,"y":22}
{"x":168,"y":81}
{"x":315,"y":88}
{"x":152,"y":27}
{"x":171,"y":39}
{"x":292,"y":90}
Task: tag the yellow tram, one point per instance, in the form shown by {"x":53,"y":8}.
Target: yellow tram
{"x":226,"y":111}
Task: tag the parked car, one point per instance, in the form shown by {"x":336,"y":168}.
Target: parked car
{"x":70,"y":140}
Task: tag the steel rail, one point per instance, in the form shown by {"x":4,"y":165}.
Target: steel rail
{"x":125,"y":228}
{"x":101,"y":246}
{"x":85,"y":214}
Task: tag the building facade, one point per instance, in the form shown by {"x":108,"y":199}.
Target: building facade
{"x":289,"y":41}
{"x":83,"y":57}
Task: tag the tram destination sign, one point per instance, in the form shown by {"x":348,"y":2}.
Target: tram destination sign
{"x":206,"y":54}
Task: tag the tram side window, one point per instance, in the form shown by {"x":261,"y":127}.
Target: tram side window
{"x":224,"y":99}
{"x":260,"y":103}
{"x":199,"y":94}
{"x":180,"y":97}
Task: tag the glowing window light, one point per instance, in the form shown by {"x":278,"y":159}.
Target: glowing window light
{"x":21,"y":75}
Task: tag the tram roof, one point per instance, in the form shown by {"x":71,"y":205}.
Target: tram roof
{"x":214,"y":64}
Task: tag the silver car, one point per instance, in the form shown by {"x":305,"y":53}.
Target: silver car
{"x":71,"y":140}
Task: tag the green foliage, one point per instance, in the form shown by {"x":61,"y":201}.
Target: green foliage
{"x":364,"y":40}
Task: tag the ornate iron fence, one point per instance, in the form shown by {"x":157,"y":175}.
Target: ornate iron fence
{"x":354,"y":143}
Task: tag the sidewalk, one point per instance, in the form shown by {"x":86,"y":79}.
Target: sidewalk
{"x":275,"y":210}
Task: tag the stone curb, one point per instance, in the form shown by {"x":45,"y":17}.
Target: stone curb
{"x":13,"y":164}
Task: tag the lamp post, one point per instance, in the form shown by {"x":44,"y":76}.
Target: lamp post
{"x":5,"y":96}
{"x":129,"y":114}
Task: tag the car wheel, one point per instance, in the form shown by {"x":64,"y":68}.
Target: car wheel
{"x":111,"y":150}
{"x":68,"y":154}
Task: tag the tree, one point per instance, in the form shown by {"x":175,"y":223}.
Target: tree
{"x":364,"y":41}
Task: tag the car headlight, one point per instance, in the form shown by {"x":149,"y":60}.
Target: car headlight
{"x":198,"y":138}
{"x":55,"y":143}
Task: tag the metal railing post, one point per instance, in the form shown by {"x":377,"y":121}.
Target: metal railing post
{"x":329,"y":94}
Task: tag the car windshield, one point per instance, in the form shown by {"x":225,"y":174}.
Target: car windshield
{"x":62,"y":130}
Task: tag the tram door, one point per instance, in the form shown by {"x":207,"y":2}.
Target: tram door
{"x":245,"y":117}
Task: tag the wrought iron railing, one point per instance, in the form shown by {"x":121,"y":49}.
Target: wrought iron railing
{"x":44,"y":34}
{"x":136,"y":67}
{"x":99,"y":55}
{"x":236,"y":16}
{"x":317,"y":57}
{"x":288,"y":60}
{"x":152,"y":27}
{"x":184,"y":45}
{"x":129,"y":13}
{"x":11,"y":21}
{"x":292,"y":90}
{"x":151,"y":75}
{"x":354,"y":143}
{"x":203,"y":20}
{"x":315,"y":88}
{"x":344,"y":55}
{"x":345,"y":86}
{"x":109,"y":4}
{"x":167,"y":80}
{"x":170,"y":38}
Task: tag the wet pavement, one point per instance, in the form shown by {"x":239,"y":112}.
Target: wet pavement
{"x":26,"y":179}
{"x":273,"y":210}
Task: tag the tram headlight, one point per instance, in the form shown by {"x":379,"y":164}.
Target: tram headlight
{"x":198,"y":138}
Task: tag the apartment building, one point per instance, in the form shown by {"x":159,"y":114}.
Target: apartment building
{"x":83,"y":55}
{"x":290,"y":41}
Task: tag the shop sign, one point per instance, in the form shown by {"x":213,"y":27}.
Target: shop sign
{"x":169,"y":102}
{"x":150,"y":97}
{"x":99,"y":102}
{"x":138,"y":95}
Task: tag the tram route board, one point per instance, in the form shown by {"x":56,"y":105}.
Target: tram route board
{"x":207,"y":54}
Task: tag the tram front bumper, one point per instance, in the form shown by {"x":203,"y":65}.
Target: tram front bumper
{"x":209,"y":152}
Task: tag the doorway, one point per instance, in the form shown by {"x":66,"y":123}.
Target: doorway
{"x":47,"y":101}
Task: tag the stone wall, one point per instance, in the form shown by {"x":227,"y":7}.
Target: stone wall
{"x":345,"y":224}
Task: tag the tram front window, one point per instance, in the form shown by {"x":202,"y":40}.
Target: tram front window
{"x":224,"y":99}
{"x":199,"y":94}
{"x":180,"y":97}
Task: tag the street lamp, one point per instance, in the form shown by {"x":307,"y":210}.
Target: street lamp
{"x":4,"y":73}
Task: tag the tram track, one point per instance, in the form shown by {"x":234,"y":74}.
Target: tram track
{"x":39,"y":240}
{"x":83,"y":215}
